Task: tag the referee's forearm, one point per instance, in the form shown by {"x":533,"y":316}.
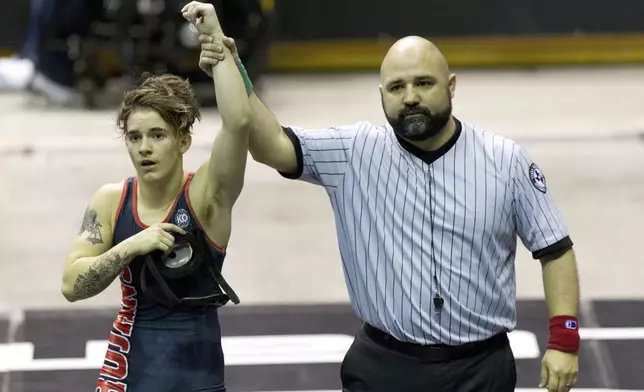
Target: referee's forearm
{"x":561,"y":284}
{"x":265,"y":131}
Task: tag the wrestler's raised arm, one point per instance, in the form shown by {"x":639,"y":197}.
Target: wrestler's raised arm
{"x":220,"y":181}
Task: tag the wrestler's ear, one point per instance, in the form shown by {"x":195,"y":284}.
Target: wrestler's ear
{"x":185,"y":141}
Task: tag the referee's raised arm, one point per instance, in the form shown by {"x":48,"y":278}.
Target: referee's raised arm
{"x":316,"y":156}
{"x":268,"y":143}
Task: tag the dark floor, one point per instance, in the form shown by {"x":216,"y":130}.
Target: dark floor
{"x":615,"y":364}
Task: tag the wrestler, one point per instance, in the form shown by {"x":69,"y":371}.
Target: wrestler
{"x":153,"y":346}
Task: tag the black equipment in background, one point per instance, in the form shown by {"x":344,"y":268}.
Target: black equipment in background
{"x":128,"y":38}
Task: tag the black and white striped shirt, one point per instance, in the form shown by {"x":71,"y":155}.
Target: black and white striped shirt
{"x":404,"y":216}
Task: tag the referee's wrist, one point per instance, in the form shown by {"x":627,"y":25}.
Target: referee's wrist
{"x":564,"y":333}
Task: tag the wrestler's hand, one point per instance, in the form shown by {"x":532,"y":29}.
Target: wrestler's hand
{"x":153,"y":238}
{"x":212,"y":52}
{"x":559,"y":371}
{"x":203,"y":16}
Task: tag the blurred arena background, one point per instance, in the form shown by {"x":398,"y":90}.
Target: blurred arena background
{"x":564,"y":79}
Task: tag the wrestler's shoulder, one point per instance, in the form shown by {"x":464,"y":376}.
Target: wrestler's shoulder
{"x":109,"y":193}
{"x":111,"y":189}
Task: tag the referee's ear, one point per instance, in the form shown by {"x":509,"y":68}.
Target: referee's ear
{"x":451,"y":84}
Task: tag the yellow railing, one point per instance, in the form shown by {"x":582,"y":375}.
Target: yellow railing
{"x":474,"y":52}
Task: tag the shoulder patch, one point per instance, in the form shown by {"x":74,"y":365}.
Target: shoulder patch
{"x":537,"y":178}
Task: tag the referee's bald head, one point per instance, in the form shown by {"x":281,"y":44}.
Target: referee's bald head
{"x":414,"y":50}
{"x":417,"y":88}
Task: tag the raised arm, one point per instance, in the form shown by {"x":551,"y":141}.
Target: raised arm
{"x":268,"y":143}
{"x":221,"y":179}
{"x":317,"y":156}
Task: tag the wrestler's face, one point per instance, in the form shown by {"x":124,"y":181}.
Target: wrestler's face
{"x":156,"y":149}
{"x":417,"y":101}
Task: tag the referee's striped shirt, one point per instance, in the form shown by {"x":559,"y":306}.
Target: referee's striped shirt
{"x":398,"y":208}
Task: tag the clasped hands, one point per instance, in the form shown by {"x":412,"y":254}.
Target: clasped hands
{"x":204,"y":17}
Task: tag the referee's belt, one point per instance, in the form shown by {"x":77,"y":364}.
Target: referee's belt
{"x":436,"y":352}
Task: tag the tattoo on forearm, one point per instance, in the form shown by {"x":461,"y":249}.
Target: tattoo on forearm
{"x":99,"y":275}
{"x":92,"y":226}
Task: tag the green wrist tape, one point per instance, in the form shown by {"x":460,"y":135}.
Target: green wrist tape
{"x":244,"y":75}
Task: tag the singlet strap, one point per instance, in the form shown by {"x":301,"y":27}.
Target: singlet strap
{"x":125,"y":196}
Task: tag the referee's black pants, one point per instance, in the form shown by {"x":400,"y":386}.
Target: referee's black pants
{"x":376,"y":362}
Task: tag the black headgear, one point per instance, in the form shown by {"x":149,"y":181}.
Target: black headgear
{"x":185,"y":259}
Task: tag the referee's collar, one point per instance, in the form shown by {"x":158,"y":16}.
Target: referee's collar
{"x":431,"y":156}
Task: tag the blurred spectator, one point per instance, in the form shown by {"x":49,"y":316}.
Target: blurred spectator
{"x":43,"y":67}
{"x":16,"y":72}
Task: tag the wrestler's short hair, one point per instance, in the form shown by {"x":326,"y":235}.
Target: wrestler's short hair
{"x":170,"y":95}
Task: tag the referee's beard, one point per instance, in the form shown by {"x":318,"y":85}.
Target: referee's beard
{"x":418,"y":123}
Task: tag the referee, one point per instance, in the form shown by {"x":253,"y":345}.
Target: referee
{"x":428,"y":210}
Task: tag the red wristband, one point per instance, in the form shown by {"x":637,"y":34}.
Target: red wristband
{"x":564,"y":334}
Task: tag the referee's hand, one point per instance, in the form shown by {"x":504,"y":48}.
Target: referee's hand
{"x":212,"y":52}
{"x":559,"y":371}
